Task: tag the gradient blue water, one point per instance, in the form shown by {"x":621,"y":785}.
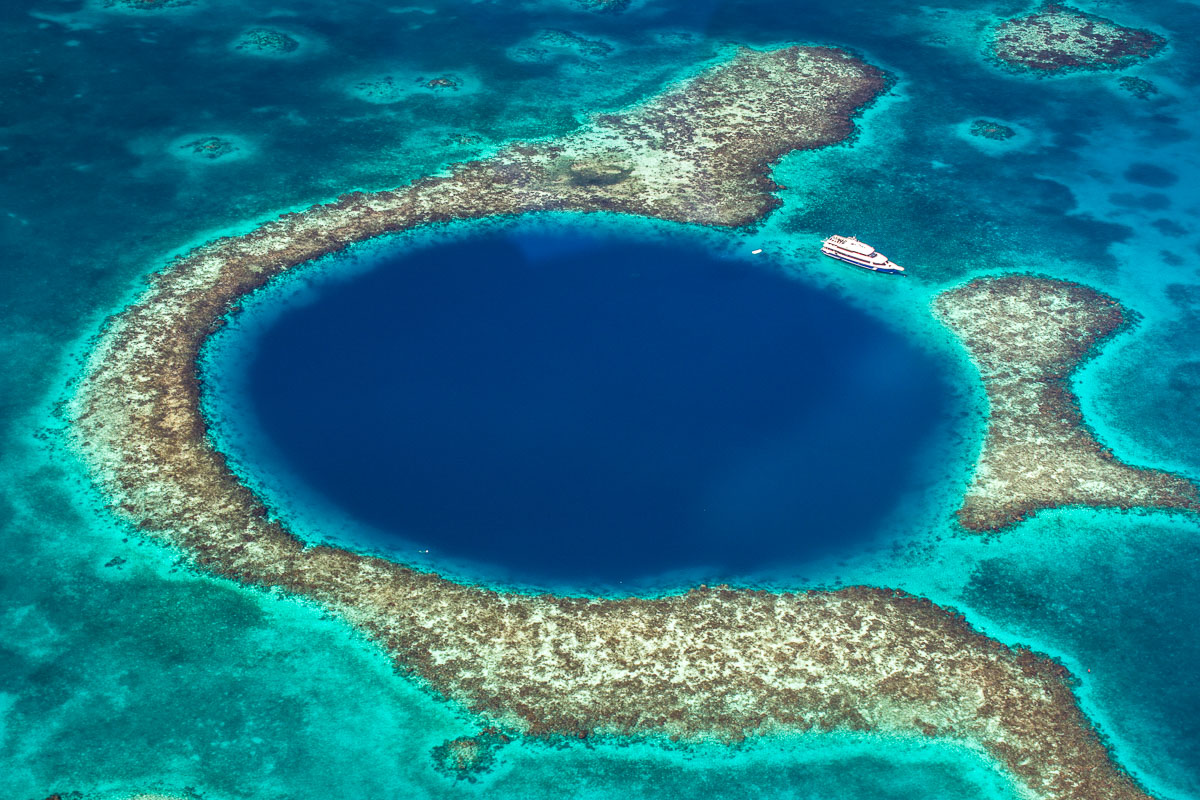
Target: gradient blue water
{"x":142,"y":676}
{"x":576,"y":408}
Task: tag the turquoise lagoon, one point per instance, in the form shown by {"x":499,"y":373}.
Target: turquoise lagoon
{"x":122,"y":672}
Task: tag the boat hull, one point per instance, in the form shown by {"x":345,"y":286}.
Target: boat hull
{"x":889,"y":268}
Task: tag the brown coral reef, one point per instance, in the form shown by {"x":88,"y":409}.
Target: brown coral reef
{"x":1027,"y":335}
{"x":1057,"y":38}
{"x":712,"y":663}
{"x":469,"y":756}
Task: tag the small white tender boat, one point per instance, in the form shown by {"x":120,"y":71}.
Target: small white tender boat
{"x":860,"y":254}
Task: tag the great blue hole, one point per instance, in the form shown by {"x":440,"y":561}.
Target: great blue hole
{"x":561,"y":408}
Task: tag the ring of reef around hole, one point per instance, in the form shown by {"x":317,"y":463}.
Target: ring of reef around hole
{"x":713,"y":662}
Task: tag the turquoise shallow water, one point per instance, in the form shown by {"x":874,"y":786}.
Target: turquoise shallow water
{"x":137,"y":675}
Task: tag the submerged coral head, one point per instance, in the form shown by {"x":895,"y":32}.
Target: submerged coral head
{"x":1058,"y":38}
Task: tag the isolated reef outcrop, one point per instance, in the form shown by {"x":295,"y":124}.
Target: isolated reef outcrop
{"x":551,"y":42}
{"x":209,"y":147}
{"x":1058,"y":38}
{"x":468,"y":757}
{"x":714,"y":663}
{"x":1027,"y":335}
{"x":144,"y":5}
{"x":266,"y":42}
{"x":1138,"y":87}
{"x":606,"y":6}
{"x":988,"y":129}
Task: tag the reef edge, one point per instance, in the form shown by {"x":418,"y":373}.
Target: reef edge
{"x":711,"y":663}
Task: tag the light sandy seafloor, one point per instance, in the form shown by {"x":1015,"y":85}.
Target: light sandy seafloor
{"x":713,"y":663}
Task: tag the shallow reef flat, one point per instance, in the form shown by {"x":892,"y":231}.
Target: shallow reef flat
{"x":1028,"y":335}
{"x":1058,"y":38}
{"x":123,"y":796}
{"x":714,"y":663}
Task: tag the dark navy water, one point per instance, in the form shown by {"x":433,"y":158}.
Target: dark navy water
{"x":578,"y":408}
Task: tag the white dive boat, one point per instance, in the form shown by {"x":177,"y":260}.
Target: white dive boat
{"x":860,"y":254}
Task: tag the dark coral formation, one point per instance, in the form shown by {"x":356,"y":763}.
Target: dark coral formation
{"x":381,"y":90}
{"x":601,"y":170}
{"x":1057,"y":38}
{"x":712,"y":663}
{"x":1140,"y":88}
{"x":210,"y":147}
{"x":605,"y":6}
{"x":555,"y":38}
{"x":553,"y":42}
{"x":463,"y":139}
{"x":144,"y":5}
{"x":1028,"y":335}
{"x":266,"y":41}
{"x":995,"y":131}
{"x":389,"y":89}
{"x":468,"y":757}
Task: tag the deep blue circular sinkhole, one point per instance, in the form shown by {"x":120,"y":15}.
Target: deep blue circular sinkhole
{"x":597,"y":410}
